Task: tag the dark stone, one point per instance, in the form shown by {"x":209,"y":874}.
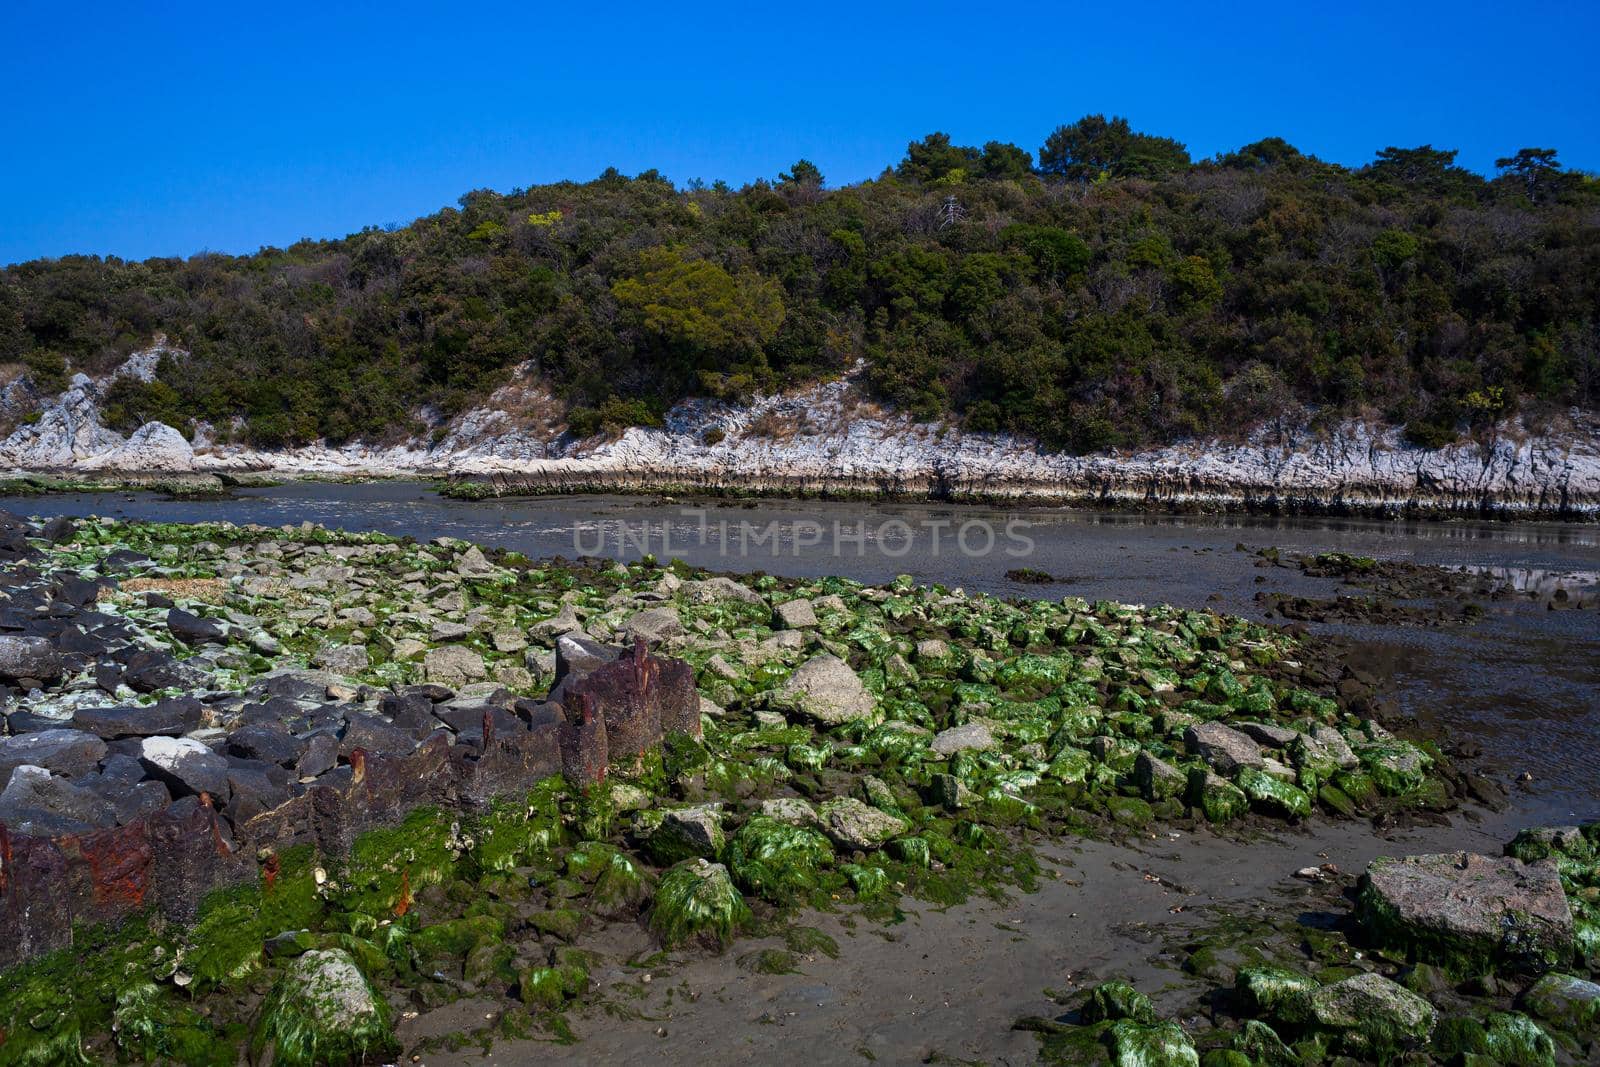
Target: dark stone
{"x":322,"y":752}
{"x":39,"y":803}
{"x":78,"y":592}
{"x":171,"y":717}
{"x":58,"y":529}
{"x":187,"y":767}
{"x":107,"y":677}
{"x":577,"y":656}
{"x":148,"y":671}
{"x":27,"y":722}
{"x":435,"y":693}
{"x":193,"y":630}
{"x":123,"y":559}
{"x":191,"y":853}
{"x":467,"y":720}
{"x":72,"y":753}
{"x":28,"y":657}
{"x":127,"y":800}
{"x":412,"y":712}
{"x":271,"y":744}
{"x":538,"y":712}
{"x":153,"y":599}
{"x":375,"y":736}
{"x":74,"y":639}
{"x":254,"y":791}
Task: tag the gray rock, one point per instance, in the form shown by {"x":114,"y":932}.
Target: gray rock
{"x":855,"y":826}
{"x":454,"y":666}
{"x":1373,"y":1007}
{"x":713,"y":590}
{"x":509,"y":641}
{"x":270,"y":744}
{"x":1267,"y":734}
{"x":795,"y":615}
{"x":342,"y":659}
{"x":576,"y":656}
{"x":445,"y":630}
{"x":973,"y":736}
{"x":1223,"y":747}
{"x":1460,"y":903}
{"x":1157,"y":778}
{"x":949,"y":792}
{"x":685,"y":833}
{"x":323,"y":1001}
{"x":1569,"y":1002}
{"x":654,"y":625}
{"x":322,"y":752}
{"x":790,"y":810}
{"x":67,"y":752}
{"x":473,"y":564}
{"x":28,"y":657}
{"x":564,"y":622}
{"x":186,"y":766}
{"x":827,"y":690}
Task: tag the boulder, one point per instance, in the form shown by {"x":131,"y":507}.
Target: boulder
{"x":1224,"y":748}
{"x":855,"y":826}
{"x":713,"y":590}
{"x":191,"y":629}
{"x":1371,"y":1013}
{"x":1469,"y":910}
{"x":68,"y":752}
{"x":28,"y":657}
{"x":186,"y":766}
{"x":172,"y":717}
{"x":454,"y":666}
{"x":576,"y":655}
{"x":1568,"y":1002}
{"x":323,"y":1010}
{"x":473,"y":564}
{"x":1157,"y":778}
{"x":972,"y":736}
{"x":342,"y":659}
{"x":685,"y":833}
{"x":40,"y":804}
{"x":827,"y":690}
{"x":653,"y":626}
{"x":795,"y":615}
{"x":270,"y":744}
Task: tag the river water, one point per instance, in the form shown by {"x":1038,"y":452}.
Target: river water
{"x":1524,"y":681}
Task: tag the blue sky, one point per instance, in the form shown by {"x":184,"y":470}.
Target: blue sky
{"x":170,"y":128}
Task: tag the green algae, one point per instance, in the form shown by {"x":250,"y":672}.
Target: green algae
{"x":1117,"y":1000}
{"x":696,"y":901}
{"x":775,"y":861}
{"x":312,"y":1020}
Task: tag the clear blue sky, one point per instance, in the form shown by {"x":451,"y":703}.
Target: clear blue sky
{"x":142,"y":129}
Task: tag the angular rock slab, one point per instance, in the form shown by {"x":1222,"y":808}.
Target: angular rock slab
{"x":1460,"y":907}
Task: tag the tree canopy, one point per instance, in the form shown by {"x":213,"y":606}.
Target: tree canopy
{"x":1117,"y":293}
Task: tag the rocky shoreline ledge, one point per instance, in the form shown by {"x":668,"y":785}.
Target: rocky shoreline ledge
{"x":269,"y":790}
{"x":831,"y":440}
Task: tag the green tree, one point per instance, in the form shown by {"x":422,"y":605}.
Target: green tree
{"x":1535,"y":170}
{"x":1095,"y":146}
{"x":696,"y":304}
{"x":934,"y":159}
{"x":803,"y":172}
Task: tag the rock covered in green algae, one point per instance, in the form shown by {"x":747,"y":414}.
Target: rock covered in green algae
{"x":1565,"y":1001}
{"x":1273,"y":794}
{"x":827,"y":690}
{"x":1117,"y":1000}
{"x":1162,"y":1044}
{"x":777,"y":861}
{"x":1468,"y":911}
{"x":322,"y":1011}
{"x":686,"y":832}
{"x":858,"y":827}
{"x":696,"y":901}
{"x":1272,"y":990}
{"x":1216,"y":797}
{"x":1369,"y":1013}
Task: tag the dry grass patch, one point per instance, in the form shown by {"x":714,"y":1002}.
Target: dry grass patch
{"x":209,"y":590}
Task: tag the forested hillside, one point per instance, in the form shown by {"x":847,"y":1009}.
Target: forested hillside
{"x":1104,"y":291}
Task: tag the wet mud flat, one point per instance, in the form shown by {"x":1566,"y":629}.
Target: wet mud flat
{"x":1060,"y":764}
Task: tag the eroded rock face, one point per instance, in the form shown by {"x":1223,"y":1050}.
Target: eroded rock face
{"x":1462,"y":907}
